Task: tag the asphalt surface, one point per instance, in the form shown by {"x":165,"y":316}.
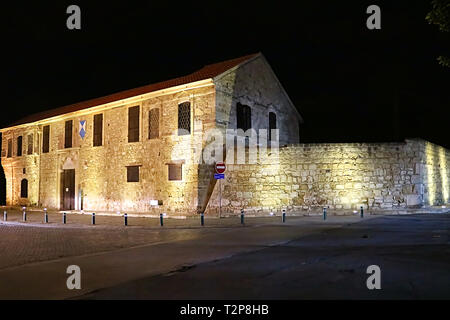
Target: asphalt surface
{"x":413,"y":254}
{"x":304,"y":258}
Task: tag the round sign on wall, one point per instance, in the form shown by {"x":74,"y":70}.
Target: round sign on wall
{"x":220,"y":167}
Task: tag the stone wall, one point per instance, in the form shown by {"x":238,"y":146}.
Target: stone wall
{"x":100,"y":172}
{"x":254,"y":84}
{"x":340,"y":176}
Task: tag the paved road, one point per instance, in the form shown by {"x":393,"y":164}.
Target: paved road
{"x":304,"y":258}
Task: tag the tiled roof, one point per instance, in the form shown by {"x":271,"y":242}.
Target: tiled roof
{"x":207,"y":72}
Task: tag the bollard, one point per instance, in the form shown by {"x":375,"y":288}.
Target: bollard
{"x":64,"y":218}
{"x":362,"y":212}
{"x":24,"y":214}
{"x":45,"y":215}
{"x":202,"y":219}
{"x":324,"y":213}
{"x":125,"y":219}
{"x":283,"y":216}
{"x":5,"y":216}
{"x":161,"y":222}
{"x":242,"y":216}
{"x":93,"y":217}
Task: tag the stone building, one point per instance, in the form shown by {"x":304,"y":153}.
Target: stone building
{"x":144,"y":150}
{"x":133,"y":151}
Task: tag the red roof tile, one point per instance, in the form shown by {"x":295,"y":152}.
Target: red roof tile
{"x":207,"y":72}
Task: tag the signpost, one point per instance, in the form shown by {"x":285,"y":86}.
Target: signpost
{"x":219,"y":175}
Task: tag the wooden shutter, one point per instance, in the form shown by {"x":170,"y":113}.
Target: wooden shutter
{"x":46,"y":139}
{"x":98,"y":130}
{"x":175,"y":172}
{"x":9,"y":148}
{"x":133,"y":174}
{"x":68,"y":134}
{"x":30,"y":144}
{"x":133,"y":124}
{"x":19,"y":146}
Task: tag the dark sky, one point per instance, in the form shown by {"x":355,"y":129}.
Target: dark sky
{"x":348,"y":82}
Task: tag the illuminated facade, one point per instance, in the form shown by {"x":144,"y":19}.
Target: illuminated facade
{"x":133,"y":151}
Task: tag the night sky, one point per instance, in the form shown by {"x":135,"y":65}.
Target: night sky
{"x":349,"y":83}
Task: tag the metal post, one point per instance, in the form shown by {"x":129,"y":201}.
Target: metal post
{"x":125,"y":219}
{"x":161,"y":222}
{"x":324,"y":213}
{"x":93,"y":217}
{"x":220,"y":198}
{"x":362,"y":212}
{"x":242,"y":216}
{"x":202,"y":219}
{"x":24,"y":214}
{"x":64,"y":218}
{"x":283,"y":216}
{"x":5,"y":216}
{"x":45,"y":215}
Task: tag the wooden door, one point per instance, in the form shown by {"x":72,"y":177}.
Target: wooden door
{"x":68,"y":190}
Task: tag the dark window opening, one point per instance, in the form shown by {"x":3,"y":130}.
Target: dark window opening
{"x":19,"y":146}
{"x":98,"y":130}
{"x":46,"y":139}
{"x":243,"y":117}
{"x":24,"y":188}
{"x":133,"y":174}
{"x":175,"y":172}
{"x":68,"y":134}
{"x":9,"y":148}
{"x":30,"y":144}
{"x":153,"y":123}
{"x":133,"y":124}
{"x":272,"y":123}
{"x":184,"y":118}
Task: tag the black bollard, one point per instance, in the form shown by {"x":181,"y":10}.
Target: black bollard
{"x":5,"y":216}
{"x":45,"y":216}
{"x":161,"y":222}
{"x":242,"y":216}
{"x":93,"y":217}
{"x":64,"y":218}
{"x":125,"y":219}
{"x":202,"y":219}
{"x":362,"y":212}
{"x":324,"y":213}
{"x":283,"y":216}
{"x":24,"y":214}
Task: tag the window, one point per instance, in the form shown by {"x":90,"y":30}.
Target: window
{"x":272,"y":123}
{"x":19,"y":146}
{"x":184,"y":118}
{"x":46,"y":139}
{"x":133,"y":174}
{"x":153,"y":123}
{"x":30,"y":144}
{"x":98,"y":130}
{"x":243,"y":117}
{"x":133,"y":124}
{"x":24,"y":188}
{"x":9,"y":148}
{"x":68,"y":134}
{"x":175,"y":172}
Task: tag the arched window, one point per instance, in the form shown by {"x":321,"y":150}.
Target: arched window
{"x":272,"y":123}
{"x":24,"y":188}
{"x":243,"y":117}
